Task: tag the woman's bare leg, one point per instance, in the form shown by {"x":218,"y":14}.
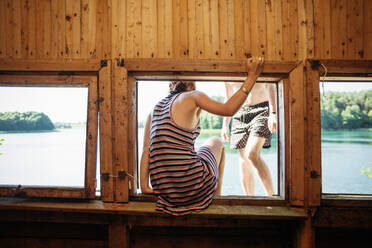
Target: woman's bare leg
{"x":218,"y":150}
{"x":246,"y":173}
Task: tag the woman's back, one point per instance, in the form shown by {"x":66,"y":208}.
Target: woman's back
{"x":179,"y":176}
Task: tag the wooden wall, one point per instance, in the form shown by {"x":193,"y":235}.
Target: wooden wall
{"x":277,"y":29}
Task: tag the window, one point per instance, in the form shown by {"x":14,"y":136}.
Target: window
{"x":346,"y":136}
{"x":150,"y":92}
{"x":49,"y":127}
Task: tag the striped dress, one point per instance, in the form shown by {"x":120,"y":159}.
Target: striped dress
{"x":182,"y":179}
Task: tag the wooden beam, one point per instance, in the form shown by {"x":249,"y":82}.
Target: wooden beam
{"x":203,"y":65}
{"x":119,"y":101}
{"x":343,"y":66}
{"x":148,"y":209}
{"x":105,"y":131}
{"x":313,"y":139}
{"x":333,"y":217}
{"x":297,"y":135}
{"x":50,"y":65}
{"x":118,"y":233}
{"x":56,"y":192}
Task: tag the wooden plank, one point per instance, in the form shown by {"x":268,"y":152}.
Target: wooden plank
{"x":223,"y":25}
{"x":103,"y":29}
{"x":346,"y":66}
{"x":207,"y":35}
{"x":306,"y":28}
{"x":355,"y":29}
{"x":297,"y":136}
{"x":50,"y":65}
{"x":206,"y":65}
{"x":199,"y":32}
{"x":76,"y":28}
{"x":230,"y":29}
{"x":149,"y":29}
{"x":339,"y":27}
{"x":3,"y":24}
{"x":46,"y":80}
{"x":132,"y":134}
{"x":213,"y":212}
{"x":247,"y":48}
{"x":134,"y":29}
{"x":88,"y":28}
{"x":258,"y":27}
{"x":31,"y":42}
{"x":92,"y":28}
{"x":91,"y":143}
{"x":118,"y":233}
{"x":322,"y":28}
{"x":57,"y":243}
{"x":215,"y":32}
{"x":179,"y":32}
{"x":333,"y":217}
{"x":52,"y":192}
{"x":165,"y":24}
{"x":367,"y":29}
{"x":184,"y":45}
{"x":274,"y":30}
{"x":105,"y":132}
{"x":119,"y":97}
{"x":69,"y":28}
{"x":58,"y":29}
{"x":313,"y":140}
{"x":239,"y":28}
{"x":191,"y":25}
{"x":285,"y":110}
{"x":290,"y":29}
{"x":13,"y":33}
{"x":118,"y":29}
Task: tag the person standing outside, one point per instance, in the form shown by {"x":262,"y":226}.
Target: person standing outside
{"x":251,"y":130}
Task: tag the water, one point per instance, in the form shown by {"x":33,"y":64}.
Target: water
{"x":45,"y":159}
{"x":58,"y":159}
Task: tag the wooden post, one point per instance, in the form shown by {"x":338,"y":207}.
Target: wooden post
{"x":132,"y":134}
{"x":105,"y":125}
{"x":120,"y":131}
{"x":297,"y":136}
{"x":118,"y":233}
{"x":305,"y":234}
{"x":313,"y":139}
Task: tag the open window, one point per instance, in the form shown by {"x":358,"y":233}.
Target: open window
{"x":149,"y":92}
{"x":346,"y":136}
{"x":48,"y":124}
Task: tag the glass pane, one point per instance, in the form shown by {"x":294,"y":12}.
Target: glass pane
{"x":44,"y":132}
{"x":346,"y":112}
{"x":149,"y":93}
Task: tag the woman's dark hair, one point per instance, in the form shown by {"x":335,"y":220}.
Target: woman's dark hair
{"x":178,"y":86}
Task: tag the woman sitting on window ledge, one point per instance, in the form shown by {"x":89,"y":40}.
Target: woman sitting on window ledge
{"x":185,"y":180}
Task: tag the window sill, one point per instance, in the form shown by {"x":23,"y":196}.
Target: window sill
{"x":147,"y":209}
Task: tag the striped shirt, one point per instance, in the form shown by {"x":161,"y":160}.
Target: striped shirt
{"x":183,"y":180}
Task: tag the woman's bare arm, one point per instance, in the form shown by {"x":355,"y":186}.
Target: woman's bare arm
{"x":144,"y":165}
{"x":232,"y":105}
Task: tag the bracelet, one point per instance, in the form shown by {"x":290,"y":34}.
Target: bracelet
{"x":244,"y":90}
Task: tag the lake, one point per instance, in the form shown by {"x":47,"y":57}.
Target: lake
{"x":58,"y":159}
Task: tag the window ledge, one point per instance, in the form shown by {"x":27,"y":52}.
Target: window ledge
{"x":215,"y":211}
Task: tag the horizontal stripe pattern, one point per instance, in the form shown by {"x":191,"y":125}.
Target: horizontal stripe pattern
{"x":183,"y":180}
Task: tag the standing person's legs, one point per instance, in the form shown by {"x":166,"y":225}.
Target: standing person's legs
{"x":246,"y":173}
{"x":253,"y":157}
{"x":218,"y":150}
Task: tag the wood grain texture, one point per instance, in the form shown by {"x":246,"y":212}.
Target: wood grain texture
{"x":106,"y":132}
{"x":134,"y":29}
{"x":165,"y":29}
{"x":290,"y":30}
{"x":339,"y":27}
{"x":297,"y":136}
{"x":355,"y":29}
{"x":322,"y":28}
{"x":258,"y":28}
{"x":274,"y":30}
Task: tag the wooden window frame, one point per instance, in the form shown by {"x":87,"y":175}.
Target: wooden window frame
{"x":88,"y":191}
{"x":59,"y":73}
{"x":288,"y":75}
{"x":342,"y":70}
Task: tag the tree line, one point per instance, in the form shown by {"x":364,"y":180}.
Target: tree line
{"x":346,"y":110}
{"x":28,"y":121}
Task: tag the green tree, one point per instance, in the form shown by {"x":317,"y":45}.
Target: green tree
{"x":28,"y":121}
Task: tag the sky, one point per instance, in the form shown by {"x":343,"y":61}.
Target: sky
{"x":150,"y":92}
{"x":61,"y":104}
{"x":69,"y":104}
